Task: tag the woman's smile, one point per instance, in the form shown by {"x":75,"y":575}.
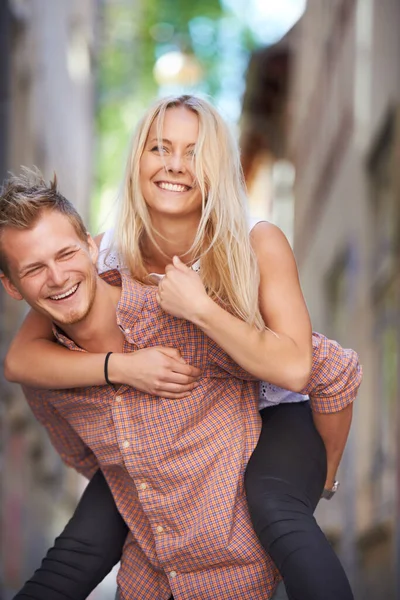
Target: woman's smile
{"x":169,"y":186}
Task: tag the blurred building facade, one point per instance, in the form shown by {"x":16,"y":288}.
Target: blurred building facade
{"x":335,"y":102}
{"x":268,"y":173}
{"x":46,"y":117}
{"x":344,"y":138}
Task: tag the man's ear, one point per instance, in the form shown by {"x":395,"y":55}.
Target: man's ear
{"x":93,"y":249}
{"x":10,"y":287}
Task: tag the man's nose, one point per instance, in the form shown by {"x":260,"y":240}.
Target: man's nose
{"x":57,"y":276}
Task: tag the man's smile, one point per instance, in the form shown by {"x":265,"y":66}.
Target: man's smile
{"x":67,"y":294}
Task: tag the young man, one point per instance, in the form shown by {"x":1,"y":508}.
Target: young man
{"x":48,"y":259}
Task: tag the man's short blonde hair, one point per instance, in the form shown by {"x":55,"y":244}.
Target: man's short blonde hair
{"x":24,"y":198}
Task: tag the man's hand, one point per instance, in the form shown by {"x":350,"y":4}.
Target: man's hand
{"x":158,"y":371}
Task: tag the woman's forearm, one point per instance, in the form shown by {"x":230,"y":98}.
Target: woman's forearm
{"x":52,"y":366}
{"x":264,"y":354}
{"x":35,"y":359}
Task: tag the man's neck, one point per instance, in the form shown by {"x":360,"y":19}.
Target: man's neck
{"x":99,"y":331}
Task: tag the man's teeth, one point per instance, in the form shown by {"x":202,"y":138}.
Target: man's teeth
{"x":66,"y":294}
{"x":173,"y":187}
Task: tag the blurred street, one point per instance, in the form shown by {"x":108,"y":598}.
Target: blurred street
{"x":312,"y":91}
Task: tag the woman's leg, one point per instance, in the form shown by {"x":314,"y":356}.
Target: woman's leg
{"x":284,"y":480}
{"x":86,"y":551}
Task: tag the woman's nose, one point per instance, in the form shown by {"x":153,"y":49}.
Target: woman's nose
{"x":175,"y":163}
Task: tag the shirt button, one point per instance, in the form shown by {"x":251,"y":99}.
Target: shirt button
{"x":159,"y":529}
{"x":118,"y":398}
{"x":125,"y":444}
{"x":173,"y":574}
{"x":127,"y":330}
{"x":143,"y":486}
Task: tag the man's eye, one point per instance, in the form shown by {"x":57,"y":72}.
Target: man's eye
{"x":33,"y":271}
{"x":67,"y":255}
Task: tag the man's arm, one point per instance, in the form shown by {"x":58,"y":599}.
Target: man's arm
{"x":64,"y":438}
{"x":335,"y":378}
{"x":334,"y":429}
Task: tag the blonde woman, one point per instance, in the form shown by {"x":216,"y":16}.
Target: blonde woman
{"x":182,"y":226}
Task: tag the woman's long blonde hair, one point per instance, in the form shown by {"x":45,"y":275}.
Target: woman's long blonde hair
{"x":229,"y":268}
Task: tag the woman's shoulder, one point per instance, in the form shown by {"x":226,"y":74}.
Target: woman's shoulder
{"x":274,"y":254}
{"x":266,"y":236}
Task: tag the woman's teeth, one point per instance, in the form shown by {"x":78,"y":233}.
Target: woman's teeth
{"x":173,"y":187}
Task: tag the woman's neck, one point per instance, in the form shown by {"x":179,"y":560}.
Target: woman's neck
{"x":173,"y":239}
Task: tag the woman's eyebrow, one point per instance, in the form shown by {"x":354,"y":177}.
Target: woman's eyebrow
{"x":166,"y":141}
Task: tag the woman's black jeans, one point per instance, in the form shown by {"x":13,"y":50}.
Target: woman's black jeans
{"x":284,"y":480}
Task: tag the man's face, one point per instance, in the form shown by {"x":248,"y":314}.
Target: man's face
{"x":51,"y":268}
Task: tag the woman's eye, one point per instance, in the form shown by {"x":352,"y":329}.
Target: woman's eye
{"x":159,"y":149}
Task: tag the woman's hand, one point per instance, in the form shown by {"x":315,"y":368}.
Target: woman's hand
{"x":158,"y":371}
{"x":181,"y":292}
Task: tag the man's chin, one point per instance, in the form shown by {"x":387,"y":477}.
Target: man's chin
{"x":72,"y":319}
{"x":68,"y":317}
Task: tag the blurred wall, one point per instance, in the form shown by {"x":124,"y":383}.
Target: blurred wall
{"x":344,"y":140}
{"x":46,"y":115}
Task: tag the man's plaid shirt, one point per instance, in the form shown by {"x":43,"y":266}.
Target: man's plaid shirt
{"x":175,"y":467}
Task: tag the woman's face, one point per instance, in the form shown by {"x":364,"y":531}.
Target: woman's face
{"x":167,"y":179}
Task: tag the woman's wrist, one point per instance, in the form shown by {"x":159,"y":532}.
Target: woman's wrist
{"x":204,"y":313}
{"x":113,"y":368}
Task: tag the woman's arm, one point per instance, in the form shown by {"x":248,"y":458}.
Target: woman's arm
{"x":86,"y":551}
{"x":282,"y":355}
{"x":35,"y":360}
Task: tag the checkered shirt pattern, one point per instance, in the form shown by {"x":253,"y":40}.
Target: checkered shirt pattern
{"x":175,"y":467}
{"x":336,"y":375}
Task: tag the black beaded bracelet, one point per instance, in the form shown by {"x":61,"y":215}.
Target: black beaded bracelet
{"x":106,"y":368}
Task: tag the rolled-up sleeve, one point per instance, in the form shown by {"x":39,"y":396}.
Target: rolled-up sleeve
{"x":335,"y":376}
{"x":69,"y":445}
